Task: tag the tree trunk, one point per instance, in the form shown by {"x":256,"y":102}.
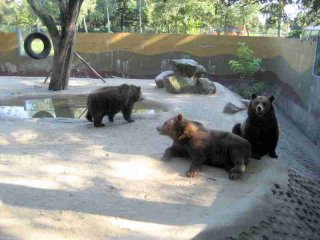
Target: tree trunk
{"x":108,"y":17}
{"x":62,"y":40}
{"x":281,"y":9}
{"x":247,"y":30}
{"x":140,"y":16}
{"x":85,"y":25}
{"x":122,"y":16}
{"x":62,"y":62}
{"x":279,"y":26}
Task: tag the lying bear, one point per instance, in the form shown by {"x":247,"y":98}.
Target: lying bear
{"x":203,"y":146}
{"x":108,"y":101}
{"x":261,"y":127}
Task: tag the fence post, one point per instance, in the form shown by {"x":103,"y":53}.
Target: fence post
{"x":19,"y":38}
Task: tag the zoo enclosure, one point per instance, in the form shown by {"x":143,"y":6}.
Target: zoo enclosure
{"x":291,"y":65}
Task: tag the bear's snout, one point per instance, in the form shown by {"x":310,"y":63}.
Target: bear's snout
{"x":259,"y":109}
{"x":160,"y":130}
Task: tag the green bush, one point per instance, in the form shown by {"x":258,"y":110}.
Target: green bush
{"x":245,"y":64}
{"x":256,"y":88}
{"x":294,"y":34}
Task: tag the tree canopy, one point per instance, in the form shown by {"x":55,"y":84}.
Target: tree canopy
{"x":171,"y":16}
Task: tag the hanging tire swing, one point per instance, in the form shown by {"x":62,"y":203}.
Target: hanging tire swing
{"x":46,"y":45}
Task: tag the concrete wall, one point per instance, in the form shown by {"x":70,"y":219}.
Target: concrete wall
{"x":288,"y":63}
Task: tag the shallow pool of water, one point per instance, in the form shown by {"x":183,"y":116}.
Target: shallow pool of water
{"x":65,"y":107}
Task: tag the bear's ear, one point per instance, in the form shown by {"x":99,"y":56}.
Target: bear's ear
{"x":139,"y":88}
{"x":271,"y":99}
{"x":253,"y":96}
{"x":179,"y":117}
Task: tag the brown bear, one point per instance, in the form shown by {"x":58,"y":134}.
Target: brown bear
{"x":261,"y":127}
{"x":203,"y":146}
{"x":111,"y":100}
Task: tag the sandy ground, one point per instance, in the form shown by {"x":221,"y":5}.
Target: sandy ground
{"x":64,"y":179}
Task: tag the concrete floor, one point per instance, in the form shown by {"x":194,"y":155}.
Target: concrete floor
{"x":62,"y":179}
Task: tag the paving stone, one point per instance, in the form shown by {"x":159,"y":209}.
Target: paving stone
{"x":297,"y":211}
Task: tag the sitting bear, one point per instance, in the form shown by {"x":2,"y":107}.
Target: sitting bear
{"x":111,"y":100}
{"x":203,"y":146}
{"x":261,"y":127}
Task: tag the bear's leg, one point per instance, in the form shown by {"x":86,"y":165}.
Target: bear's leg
{"x":97,"y":120}
{"x":167,"y":154}
{"x":253,"y":136}
{"x":198,"y":159}
{"x":111,"y":117}
{"x":256,"y":155}
{"x":259,"y":149}
{"x":237,"y":171}
{"x":126,"y":112}
{"x":273,"y":142}
{"x":89,"y":116}
{"x":272,"y":151}
{"x":174,"y":151}
{"x":237,"y":129}
{"x":273,"y":154}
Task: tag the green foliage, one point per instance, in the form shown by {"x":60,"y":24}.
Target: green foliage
{"x":256,"y":88}
{"x":87,"y":7}
{"x":126,"y":15}
{"x":202,"y":16}
{"x":171,"y":16}
{"x":16,"y":13}
{"x":275,"y":10}
{"x":245,"y":64}
{"x":295,"y":34}
{"x":310,"y":12}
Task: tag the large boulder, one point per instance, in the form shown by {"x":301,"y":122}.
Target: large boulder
{"x":187,"y":77}
{"x":179,"y":84}
{"x":184,"y":67}
{"x":162,"y":77}
{"x":200,"y":72}
{"x":205,"y":86}
{"x":231,"y":108}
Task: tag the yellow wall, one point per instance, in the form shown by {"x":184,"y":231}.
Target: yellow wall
{"x":8,"y":41}
{"x":299,"y":55}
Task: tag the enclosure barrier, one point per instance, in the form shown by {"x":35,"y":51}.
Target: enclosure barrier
{"x":287,"y":63}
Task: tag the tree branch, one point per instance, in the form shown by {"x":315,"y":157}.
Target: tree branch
{"x":71,"y":14}
{"x":74,"y":8}
{"x":46,"y":19}
{"x":63,"y":12}
{"x":62,"y":5}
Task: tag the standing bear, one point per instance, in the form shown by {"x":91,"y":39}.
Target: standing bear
{"x":203,"y":146}
{"x":111,"y":100}
{"x":261,"y":127}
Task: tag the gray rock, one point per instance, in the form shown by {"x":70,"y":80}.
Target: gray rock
{"x":246,"y":102}
{"x":162,"y":77}
{"x":230,"y":108}
{"x":187,"y":77}
{"x":179,"y":84}
{"x":184,"y":67}
{"x":200,"y":72}
{"x":205,"y":86}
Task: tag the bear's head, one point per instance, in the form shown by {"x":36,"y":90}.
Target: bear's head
{"x":260,"y":105}
{"x":179,"y":128}
{"x":131,"y":93}
{"x":136,"y":93}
